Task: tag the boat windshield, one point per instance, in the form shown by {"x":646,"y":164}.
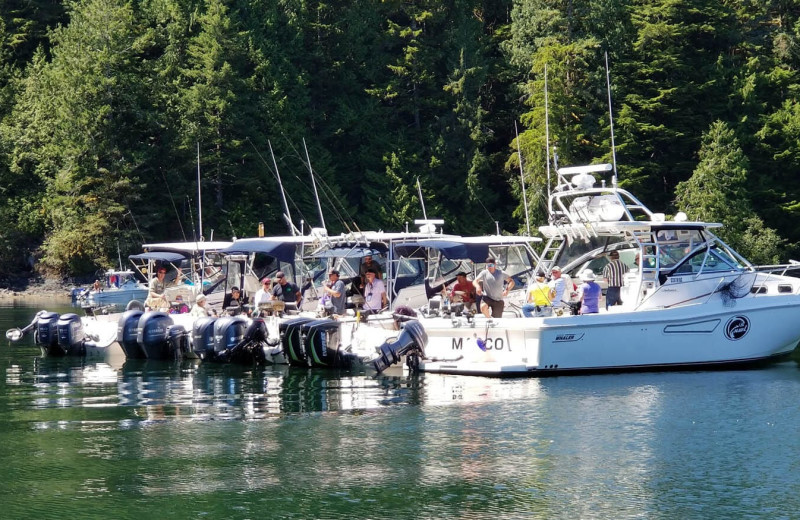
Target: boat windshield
{"x":708,"y":260}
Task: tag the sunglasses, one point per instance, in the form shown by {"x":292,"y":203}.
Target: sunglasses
{"x":489,"y":265}
{"x":267,"y":283}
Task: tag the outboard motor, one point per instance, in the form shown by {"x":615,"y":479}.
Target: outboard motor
{"x":70,"y":334}
{"x":203,"y":337}
{"x":411,"y":342}
{"x":321,"y":340}
{"x":292,"y":341}
{"x":228,"y":332}
{"x":151,"y":334}
{"x":127,"y":332}
{"x":46,"y":333}
{"x":178,"y":341}
{"x":251,"y":348}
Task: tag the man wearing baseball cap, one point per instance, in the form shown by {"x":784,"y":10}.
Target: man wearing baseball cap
{"x":334,"y":294}
{"x":285,"y":290}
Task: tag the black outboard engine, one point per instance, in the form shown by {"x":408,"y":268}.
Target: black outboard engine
{"x":411,"y":342}
{"x":203,"y":337}
{"x":151,"y":334}
{"x":321,"y":341}
{"x":293,"y":342}
{"x":46,"y":333}
{"x":251,"y":348}
{"x":126,"y":334}
{"x":70,"y":334}
{"x":178,"y":340}
{"x":228,"y":332}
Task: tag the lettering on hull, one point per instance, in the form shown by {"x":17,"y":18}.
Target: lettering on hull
{"x":483,"y":344}
{"x":569,"y":337}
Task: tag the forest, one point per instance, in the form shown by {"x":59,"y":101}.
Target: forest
{"x":110,"y":108}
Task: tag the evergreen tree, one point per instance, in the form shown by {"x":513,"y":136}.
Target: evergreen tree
{"x":80,"y":126}
{"x":718,"y":192}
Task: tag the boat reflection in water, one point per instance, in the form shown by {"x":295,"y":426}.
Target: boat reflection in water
{"x":189,"y":390}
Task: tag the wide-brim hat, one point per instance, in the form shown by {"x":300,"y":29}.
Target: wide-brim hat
{"x":587,"y":275}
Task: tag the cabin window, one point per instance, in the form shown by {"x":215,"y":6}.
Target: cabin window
{"x":785,"y":289}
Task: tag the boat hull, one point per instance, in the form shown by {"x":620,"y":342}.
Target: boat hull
{"x":753,"y":331}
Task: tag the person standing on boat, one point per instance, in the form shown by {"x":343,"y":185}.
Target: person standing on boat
{"x":264,"y":294}
{"x":561,"y":286}
{"x":370,"y":264}
{"x":334,"y":297}
{"x":589,"y":293}
{"x":199,"y":308}
{"x":489,"y":285}
{"x":155,"y":297}
{"x":539,"y":298}
{"x":374,"y":294}
{"x":464,"y":289}
{"x":285,"y":290}
{"x":614,"y":273}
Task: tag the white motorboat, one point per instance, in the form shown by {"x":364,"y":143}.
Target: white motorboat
{"x":690,"y":301}
{"x":117,"y":287}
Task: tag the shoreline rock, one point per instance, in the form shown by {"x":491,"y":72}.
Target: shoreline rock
{"x":16,"y":287}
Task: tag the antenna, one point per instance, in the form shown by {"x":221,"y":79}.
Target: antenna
{"x":546,"y":132}
{"x":314,"y":183}
{"x":199,"y":200}
{"x":611,"y":121}
{"x":287,"y":215}
{"x":522,"y":180}
{"x":421,"y":200}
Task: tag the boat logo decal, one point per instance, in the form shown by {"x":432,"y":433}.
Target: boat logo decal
{"x":563,"y":338}
{"x":737,"y":327}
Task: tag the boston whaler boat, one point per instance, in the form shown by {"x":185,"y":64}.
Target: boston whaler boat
{"x":689,"y":301}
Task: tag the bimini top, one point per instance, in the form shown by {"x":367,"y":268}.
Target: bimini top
{"x":349,"y":252}
{"x":188,"y":248}
{"x":463,"y":248}
{"x":161,"y":256}
{"x":281,"y":248}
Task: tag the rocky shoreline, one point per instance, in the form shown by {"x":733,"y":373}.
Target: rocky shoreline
{"x":39,"y":287}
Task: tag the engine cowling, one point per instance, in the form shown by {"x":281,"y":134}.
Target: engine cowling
{"x":70,"y":334}
{"x":228,"y":332}
{"x":46,"y":332}
{"x":127,"y":330}
{"x":203,"y":337}
{"x":292,"y":342}
{"x":151,"y":334}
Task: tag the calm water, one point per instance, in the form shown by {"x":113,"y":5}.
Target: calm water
{"x":168,"y":440}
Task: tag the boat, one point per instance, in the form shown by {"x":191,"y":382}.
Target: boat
{"x":197,"y":266}
{"x":117,"y":287}
{"x":690,"y":301}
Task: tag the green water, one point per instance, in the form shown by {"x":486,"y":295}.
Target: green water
{"x":182,"y":440}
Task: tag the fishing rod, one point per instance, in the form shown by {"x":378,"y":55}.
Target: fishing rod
{"x":287,"y":214}
{"x":522,"y":181}
{"x":294,"y":230}
{"x":314,"y":184}
{"x":546,"y":132}
{"x":330,"y":196}
{"x":199,"y":198}
{"x":611,"y":122}
{"x":172,"y":200}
